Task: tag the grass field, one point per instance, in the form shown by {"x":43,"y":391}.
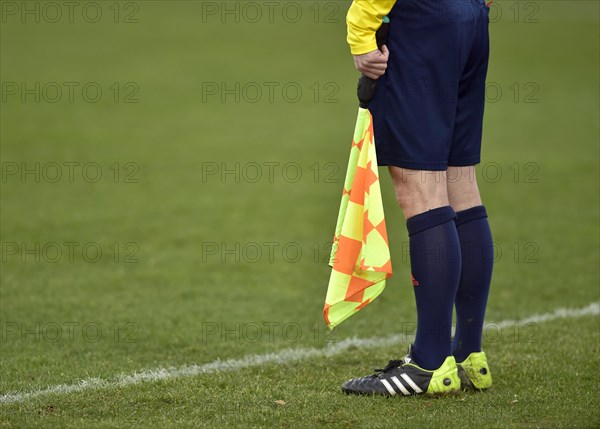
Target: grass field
{"x":170,"y":187}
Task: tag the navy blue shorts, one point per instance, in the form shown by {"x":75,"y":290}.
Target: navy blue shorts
{"x":428,"y":110}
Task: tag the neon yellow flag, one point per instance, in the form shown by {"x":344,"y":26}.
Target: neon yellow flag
{"x":360,"y":256}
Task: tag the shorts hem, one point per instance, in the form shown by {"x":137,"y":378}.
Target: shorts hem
{"x":464,"y":162}
{"x":409,"y":165}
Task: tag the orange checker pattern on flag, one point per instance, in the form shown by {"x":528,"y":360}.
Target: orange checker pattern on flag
{"x":356,"y":289}
{"x":357,"y":194}
{"x":345,"y":261}
{"x":360,"y":256}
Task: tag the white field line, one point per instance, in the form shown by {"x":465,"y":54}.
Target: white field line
{"x":284,"y":356}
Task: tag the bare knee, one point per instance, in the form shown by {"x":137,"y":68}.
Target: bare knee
{"x":463,"y":192}
{"x":418,"y":191}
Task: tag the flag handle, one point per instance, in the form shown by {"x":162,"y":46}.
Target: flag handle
{"x":366,"y":85}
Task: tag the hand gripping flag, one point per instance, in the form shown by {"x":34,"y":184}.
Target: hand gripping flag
{"x":360,"y":256}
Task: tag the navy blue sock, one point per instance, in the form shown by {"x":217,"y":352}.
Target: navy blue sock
{"x":476,"y":275}
{"x":435,"y":262}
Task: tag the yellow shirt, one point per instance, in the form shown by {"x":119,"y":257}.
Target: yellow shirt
{"x":363,"y":20}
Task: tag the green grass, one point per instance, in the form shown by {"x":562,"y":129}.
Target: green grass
{"x":175,"y":291}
